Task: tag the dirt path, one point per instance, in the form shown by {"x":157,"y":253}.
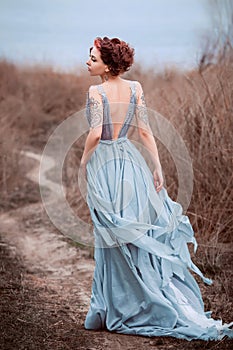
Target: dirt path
{"x":46,"y":284}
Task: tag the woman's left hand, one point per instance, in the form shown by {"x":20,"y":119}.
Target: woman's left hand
{"x":158,"y":178}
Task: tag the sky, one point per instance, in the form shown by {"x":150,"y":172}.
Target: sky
{"x":60,"y":32}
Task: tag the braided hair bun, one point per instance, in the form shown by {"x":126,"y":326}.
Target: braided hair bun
{"x":115,"y":53}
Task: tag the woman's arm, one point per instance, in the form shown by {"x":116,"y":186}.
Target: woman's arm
{"x":147,"y":137}
{"x":91,"y":143}
{"x":150,"y":144}
{"x":94,"y":114}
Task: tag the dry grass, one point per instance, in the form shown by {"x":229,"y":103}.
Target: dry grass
{"x":199,"y":105}
{"x":34,"y":100}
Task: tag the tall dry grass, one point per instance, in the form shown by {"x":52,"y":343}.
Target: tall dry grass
{"x":34,"y":100}
{"x":199,"y":104}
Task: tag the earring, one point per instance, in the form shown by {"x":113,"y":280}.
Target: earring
{"x":106,"y":77}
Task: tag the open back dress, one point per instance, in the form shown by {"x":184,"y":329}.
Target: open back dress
{"x":142,"y":283}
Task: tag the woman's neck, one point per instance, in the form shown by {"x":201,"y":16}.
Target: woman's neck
{"x":110,"y":78}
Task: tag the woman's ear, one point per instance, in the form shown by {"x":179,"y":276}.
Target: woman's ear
{"x":107,"y":69}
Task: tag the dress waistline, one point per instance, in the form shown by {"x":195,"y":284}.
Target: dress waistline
{"x":118,"y":140}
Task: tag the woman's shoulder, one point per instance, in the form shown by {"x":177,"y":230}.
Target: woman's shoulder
{"x":96,"y":86}
{"x":136,"y":82}
{"x":94,"y":89}
{"x":94,"y":92}
{"x":100,"y":88}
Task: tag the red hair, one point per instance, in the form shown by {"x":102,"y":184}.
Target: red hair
{"x":115,"y":53}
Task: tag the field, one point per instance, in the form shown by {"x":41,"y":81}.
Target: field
{"x":46,"y":277}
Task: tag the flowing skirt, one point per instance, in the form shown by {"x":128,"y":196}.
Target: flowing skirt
{"x":142,"y":282}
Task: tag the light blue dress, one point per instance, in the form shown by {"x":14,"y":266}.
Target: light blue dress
{"x":142,"y":283}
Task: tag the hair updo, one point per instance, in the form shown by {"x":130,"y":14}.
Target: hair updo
{"x":115,"y":53}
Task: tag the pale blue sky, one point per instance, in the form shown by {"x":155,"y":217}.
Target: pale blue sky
{"x":61,"y":31}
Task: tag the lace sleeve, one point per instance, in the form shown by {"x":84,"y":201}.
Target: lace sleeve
{"x":94,"y":108}
{"x":141,"y":111}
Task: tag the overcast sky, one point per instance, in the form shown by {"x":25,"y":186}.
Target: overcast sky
{"x":61,"y":31}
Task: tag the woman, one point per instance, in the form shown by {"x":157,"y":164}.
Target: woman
{"x":142,"y":284}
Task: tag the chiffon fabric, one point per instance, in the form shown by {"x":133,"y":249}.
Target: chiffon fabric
{"x":142,"y":281}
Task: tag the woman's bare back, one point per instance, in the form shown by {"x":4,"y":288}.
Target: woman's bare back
{"x":118,"y":95}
